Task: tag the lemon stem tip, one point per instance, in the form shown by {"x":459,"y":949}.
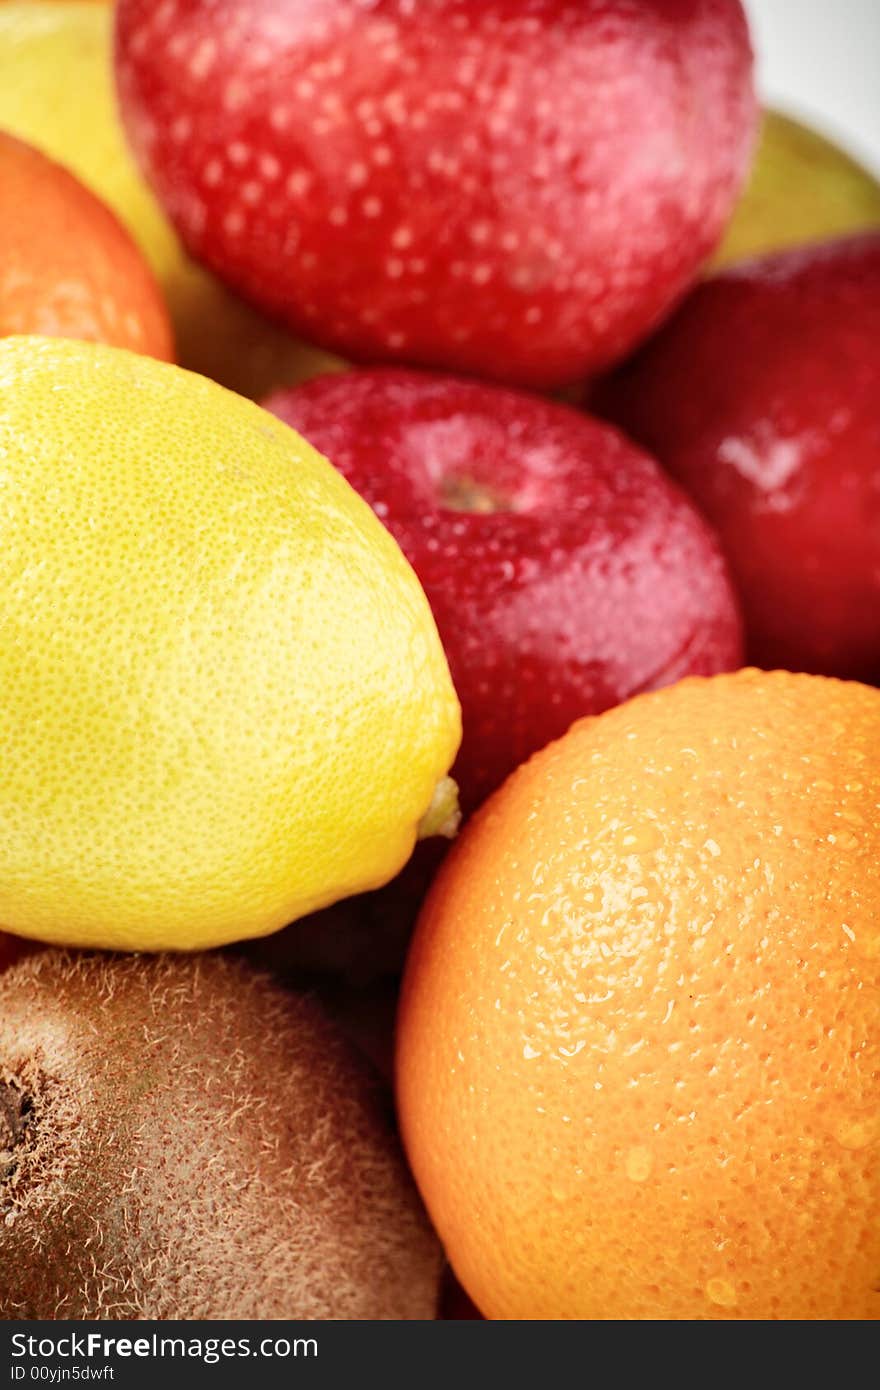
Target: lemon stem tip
{"x":443,"y":816}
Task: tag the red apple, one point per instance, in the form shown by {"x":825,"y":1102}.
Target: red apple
{"x":514,"y":188}
{"x":762,"y":397}
{"x":324,"y":962}
{"x":565,"y":572}
{"x":12,"y":948}
{"x":455,"y":1304}
{"x":361,"y":941}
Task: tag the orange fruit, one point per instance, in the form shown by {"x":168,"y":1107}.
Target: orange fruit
{"x":638,"y":1058}
{"x":68,"y":268}
{"x":59,"y":93}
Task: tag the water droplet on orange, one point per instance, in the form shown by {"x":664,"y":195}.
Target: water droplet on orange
{"x":722,"y":1292}
{"x":857,"y":1132}
{"x":639,"y":1163}
{"x":844,"y":839}
{"x":868,"y":944}
{"x":643,"y":838}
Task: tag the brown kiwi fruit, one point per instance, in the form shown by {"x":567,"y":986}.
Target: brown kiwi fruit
{"x":182,"y":1138}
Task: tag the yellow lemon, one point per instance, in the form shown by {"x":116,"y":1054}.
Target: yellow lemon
{"x":225,"y":702}
{"x":57,"y":92}
{"x":802,"y":188}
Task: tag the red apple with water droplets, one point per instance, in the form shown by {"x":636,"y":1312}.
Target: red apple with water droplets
{"x":517,"y":189}
{"x":762,"y":397}
{"x":564,"y":571}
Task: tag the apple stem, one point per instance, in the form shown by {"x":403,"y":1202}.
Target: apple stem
{"x":461,"y":494}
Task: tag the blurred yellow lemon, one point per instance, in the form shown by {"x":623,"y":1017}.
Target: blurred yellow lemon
{"x":803,"y":188}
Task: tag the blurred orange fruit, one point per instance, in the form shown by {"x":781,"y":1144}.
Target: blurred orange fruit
{"x":68,"y":268}
{"x":58,"y":92}
{"x":638,"y":1057}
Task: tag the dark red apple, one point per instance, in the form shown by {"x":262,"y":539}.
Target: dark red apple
{"x":323,"y":960}
{"x":361,"y":941}
{"x":455,"y":1304}
{"x":518,"y":189}
{"x":565,"y":572}
{"x":12,"y":948}
{"x":762,"y":397}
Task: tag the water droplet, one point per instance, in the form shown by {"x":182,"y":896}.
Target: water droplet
{"x":843,"y":839}
{"x":558,"y":1194}
{"x":642,"y":839}
{"x":858,"y":1132}
{"x":722,"y":1292}
{"x":639,"y":1163}
{"x":867,"y":946}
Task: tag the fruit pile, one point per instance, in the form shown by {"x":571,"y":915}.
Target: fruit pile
{"x":440,"y":649}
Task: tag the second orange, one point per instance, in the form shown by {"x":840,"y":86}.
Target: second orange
{"x":68,"y":268}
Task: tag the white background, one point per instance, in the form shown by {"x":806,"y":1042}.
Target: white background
{"x":820,"y":59}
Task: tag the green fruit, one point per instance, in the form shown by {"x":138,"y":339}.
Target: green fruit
{"x":180,"y":1138}
{"x":803,"y":188}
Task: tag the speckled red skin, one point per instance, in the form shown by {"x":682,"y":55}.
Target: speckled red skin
{"x":762,"y":397}
{"x":517,"y":189}
{"x":596,"y":579}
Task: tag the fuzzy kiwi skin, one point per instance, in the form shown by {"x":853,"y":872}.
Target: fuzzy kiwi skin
{"x":182,"y":1138}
